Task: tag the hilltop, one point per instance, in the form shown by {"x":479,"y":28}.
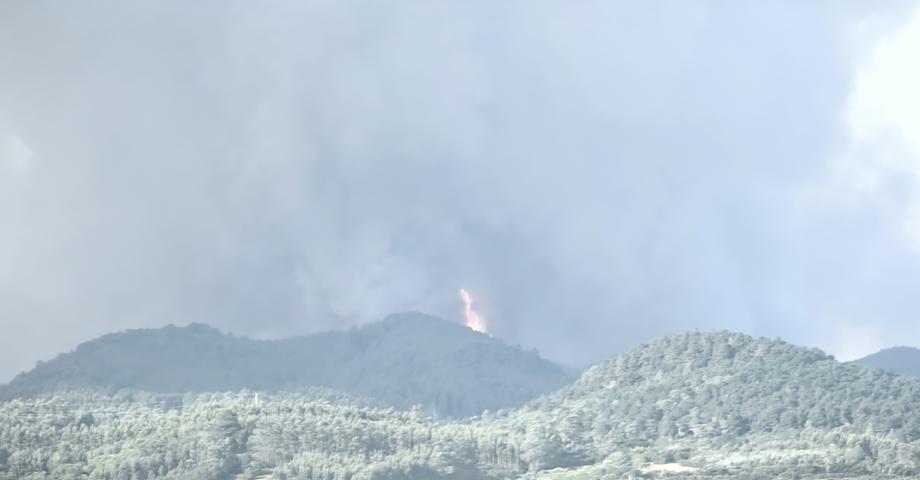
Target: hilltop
{"x":697,"y":405}
{"x":404,"y":360}
{"x":727,"y":402}
{"x":899,"y":360}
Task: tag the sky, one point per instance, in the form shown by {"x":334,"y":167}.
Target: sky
{"x":596,"y":174}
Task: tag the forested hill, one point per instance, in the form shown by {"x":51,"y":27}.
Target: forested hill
{"x":730,"y":401}
{"x":900,"y":360}
{"x":404,"y":360}
{"x":699,"y":405}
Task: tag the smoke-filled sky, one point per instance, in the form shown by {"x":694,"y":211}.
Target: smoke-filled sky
{"x":595,"y":173}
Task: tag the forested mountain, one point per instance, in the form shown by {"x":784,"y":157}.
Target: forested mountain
{"x":900,"y":360}
{"x":698,"y":405}
{"x":725,"y":402}
{"x":404,"y":360}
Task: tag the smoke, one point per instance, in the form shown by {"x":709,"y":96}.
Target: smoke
{"x":471,"y":317}
{"x":598,"y":172}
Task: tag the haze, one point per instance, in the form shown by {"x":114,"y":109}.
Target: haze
{"x":596,"y":174}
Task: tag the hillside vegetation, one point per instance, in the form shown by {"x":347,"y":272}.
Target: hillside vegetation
{"x":727,"y":402}
{"x":402,"y":361}
{"x":698,"y":405}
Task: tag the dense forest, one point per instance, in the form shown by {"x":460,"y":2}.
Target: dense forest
{"x":726,"y":402}
{"x":697,"y":405}
{"x":404,"y":360}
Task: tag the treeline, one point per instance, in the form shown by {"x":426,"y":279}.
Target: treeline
{"x":713,"y":406}
{"x":729,"y":401}
{"x":404,"y":360}
{"x":141,"y":436}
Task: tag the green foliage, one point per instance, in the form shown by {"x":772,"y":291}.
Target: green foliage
{"x":705,"y":406}
{"x":405,"y":360}
{"x":230,"y":435}
{"x":729,"y":401}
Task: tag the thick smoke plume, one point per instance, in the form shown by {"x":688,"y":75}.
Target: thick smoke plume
{"x":598,"y":172}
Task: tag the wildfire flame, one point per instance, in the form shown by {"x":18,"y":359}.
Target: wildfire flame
{"x":473,"y":320}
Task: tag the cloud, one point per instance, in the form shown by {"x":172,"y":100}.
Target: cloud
{"x":884,"y":96}
{"x":884,"y":119}
{"x":15,"y":155}
{"x":596,"y":173}
{"x":865,"y":206}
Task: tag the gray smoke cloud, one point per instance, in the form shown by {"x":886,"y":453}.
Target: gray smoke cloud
{"x":595,"y":173}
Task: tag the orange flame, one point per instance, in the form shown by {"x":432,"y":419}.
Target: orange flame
{"x":473,"y":320}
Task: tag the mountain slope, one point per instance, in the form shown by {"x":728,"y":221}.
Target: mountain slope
{"x":404,"y":360}
{"x":699,"y":405}
{"x":725,"y":402}
{"x":899,"y":360}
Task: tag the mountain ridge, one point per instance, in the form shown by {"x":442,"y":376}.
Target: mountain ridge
{"x":403,"y":360}
{"x":710,"y":405}
{"x":900,"y":360}
{"x":701,"y":398}
{"x":702,"y":405}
